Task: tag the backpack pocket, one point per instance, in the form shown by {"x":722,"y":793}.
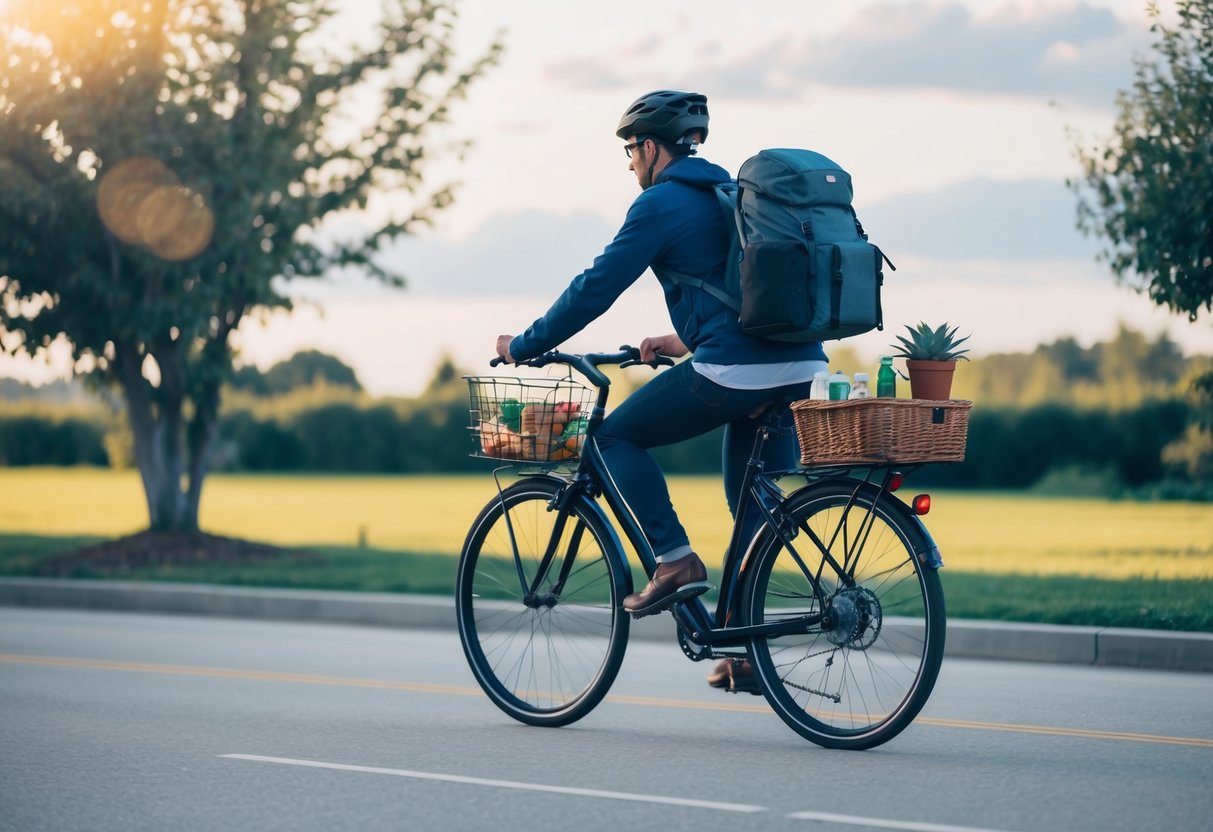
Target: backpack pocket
{"x":775,"y":296}
{"x":846,"y":289}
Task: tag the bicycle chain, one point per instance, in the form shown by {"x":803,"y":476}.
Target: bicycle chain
{"x":685,"y":642}
{"x":833,"y":697}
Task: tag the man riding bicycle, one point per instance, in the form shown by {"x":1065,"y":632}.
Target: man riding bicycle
{"x":676,"y":225}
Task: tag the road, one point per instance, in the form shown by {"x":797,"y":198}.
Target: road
{"x":112,"y":721}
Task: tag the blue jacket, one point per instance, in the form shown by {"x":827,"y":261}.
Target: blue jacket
{"x":676,"y":224}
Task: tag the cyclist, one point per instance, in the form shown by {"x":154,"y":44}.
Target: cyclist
{"x":676,"y":224}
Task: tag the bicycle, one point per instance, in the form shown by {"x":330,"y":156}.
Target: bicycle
{"x":835,"y":600}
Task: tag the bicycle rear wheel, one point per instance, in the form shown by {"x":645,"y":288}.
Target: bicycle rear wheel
{"x":858,"y":678}
{"x":547,"y":656}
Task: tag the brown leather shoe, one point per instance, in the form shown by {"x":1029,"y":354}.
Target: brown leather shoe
{"x":735,"y":676}
{"x":673,"y":582}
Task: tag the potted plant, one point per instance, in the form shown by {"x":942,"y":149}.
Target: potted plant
{"x":931,"y":355}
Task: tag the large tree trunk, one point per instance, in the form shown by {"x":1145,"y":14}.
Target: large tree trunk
{"x":157,"y":428}
{"x":203,"y":427}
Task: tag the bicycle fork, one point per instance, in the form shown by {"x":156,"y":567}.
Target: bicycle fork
{"x":531,"y":596}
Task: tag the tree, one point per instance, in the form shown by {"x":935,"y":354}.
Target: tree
{"x":164,"y":161}
{"x":303,"y":369}
{"x":1149,"y":191}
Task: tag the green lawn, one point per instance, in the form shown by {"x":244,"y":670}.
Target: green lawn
{"x":1008,"y":556}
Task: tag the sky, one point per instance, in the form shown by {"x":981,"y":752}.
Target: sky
{"x":955,"y":118}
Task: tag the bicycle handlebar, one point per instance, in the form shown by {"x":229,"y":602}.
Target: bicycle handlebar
{"x":587,"y":365}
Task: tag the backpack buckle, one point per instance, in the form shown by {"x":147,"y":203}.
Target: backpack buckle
{"x":806,"y":228}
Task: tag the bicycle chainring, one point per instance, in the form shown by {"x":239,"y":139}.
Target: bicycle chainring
{"x":693,"y":651}
{"x":698,"y":652}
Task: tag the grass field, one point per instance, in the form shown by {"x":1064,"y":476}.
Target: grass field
{"x":1008,"y":556}
{"x":981,"y":532}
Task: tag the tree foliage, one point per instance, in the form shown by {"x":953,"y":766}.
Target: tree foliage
{"x":303,"y":369}
{"x":1119,"y":373}
{"x":164,"y":161}
{"x":1149,"y":190}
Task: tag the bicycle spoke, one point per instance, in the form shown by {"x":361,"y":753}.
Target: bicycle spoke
{"x":861,"y":675}
{"x":547,"y":654}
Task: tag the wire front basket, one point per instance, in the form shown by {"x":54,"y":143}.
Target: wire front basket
{"x":534,"y":420}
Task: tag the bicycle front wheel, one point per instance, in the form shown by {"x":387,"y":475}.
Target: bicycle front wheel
{"x":858,"y":677}
{"x":545,"y":649}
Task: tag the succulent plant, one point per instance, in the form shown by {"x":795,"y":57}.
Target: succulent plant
{"x":927,"y":344}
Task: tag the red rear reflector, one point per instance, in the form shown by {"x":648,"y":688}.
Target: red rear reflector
{"x":895,"y":481}
{"x":921,"y":503}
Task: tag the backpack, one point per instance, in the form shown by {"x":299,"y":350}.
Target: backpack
{"x":800,"y":267}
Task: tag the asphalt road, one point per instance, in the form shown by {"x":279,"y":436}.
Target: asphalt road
{"x":112,"y":721}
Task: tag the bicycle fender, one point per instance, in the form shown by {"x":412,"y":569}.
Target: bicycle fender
{"x":928,"y":555}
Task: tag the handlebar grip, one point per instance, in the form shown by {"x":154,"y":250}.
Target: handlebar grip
{"x":497,"y":361}
{"x":634,"y":352}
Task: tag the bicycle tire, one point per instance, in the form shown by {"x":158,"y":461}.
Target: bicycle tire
{"x":858,"y":679}
{"x":542,"y":664}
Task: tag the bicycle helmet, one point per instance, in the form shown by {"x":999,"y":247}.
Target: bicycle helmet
{"x":666,"y":115}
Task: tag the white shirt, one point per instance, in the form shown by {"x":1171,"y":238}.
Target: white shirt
{"x":760,"y":376}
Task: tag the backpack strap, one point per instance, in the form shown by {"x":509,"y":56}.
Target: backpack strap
{"x":680,"y":279}
{"x":835,"y":287}
{"x":728,"y":194}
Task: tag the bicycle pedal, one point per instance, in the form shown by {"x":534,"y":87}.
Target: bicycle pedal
{"x":684,"y":593}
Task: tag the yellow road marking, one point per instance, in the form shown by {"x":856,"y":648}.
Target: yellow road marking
{"x":226,"y":673}
{"x":647,"y":701}
{"x":1064,"y":732}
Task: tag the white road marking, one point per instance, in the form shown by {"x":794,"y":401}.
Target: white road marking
{"x":879,"y":823}
{"x":506,"y":784}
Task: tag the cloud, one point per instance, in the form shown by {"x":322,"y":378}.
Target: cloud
{"x":1029,"y":220}
{"x":1080,"y":54}
{"x":530,"y":252}
{"x":607,"y":71}
{"x":535,"y":253}
{"x":585,"y":73}
{"x":1077,"y":54}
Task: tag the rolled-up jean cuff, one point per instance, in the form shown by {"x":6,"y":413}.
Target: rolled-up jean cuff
{"x":675,"y":554}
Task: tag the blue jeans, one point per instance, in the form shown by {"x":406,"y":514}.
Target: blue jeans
{"x":677,"y":405}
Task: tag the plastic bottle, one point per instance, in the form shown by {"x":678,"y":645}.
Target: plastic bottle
{"x":886,"y":379}
{"x":840,"y":386}
{"x":820,"y":389}
{"x":861,"y":389}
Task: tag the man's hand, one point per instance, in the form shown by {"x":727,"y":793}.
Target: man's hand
{"x":670,"y":345}
{"x":503,"y":347}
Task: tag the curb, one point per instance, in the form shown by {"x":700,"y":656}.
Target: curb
{"x":1003,"y":641}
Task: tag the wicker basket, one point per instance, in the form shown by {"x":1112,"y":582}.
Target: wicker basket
{"x":533,"y":420}
{"x":881,"y":430}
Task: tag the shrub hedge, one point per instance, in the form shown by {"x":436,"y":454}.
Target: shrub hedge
{"x":1008,"y":447}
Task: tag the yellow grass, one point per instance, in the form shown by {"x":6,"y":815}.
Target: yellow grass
{"x":976,"y":531}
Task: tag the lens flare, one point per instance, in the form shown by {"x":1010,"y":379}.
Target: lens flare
{"x":143,"y":203}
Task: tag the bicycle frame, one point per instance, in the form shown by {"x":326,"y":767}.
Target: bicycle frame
{"x":591,"y":477}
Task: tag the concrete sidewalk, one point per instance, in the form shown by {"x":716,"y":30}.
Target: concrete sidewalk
{"x":1105,"y":646}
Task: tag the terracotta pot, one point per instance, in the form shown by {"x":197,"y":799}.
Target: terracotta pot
{"x":931,"y":379}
